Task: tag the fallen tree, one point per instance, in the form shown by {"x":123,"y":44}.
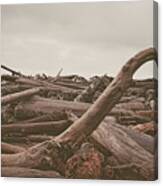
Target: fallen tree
{"x":53,"y":153}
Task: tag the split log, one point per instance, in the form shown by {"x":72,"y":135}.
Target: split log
{"x":51,"y":127}
{"x":55,"y":150}
{"x":10,"y":149}
{"x":19,"y":95}
{"x":28,"y":173}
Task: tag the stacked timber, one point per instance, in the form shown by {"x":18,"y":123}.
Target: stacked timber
{"x":73,"y":127}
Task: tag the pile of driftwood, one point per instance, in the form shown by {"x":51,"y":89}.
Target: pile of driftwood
{"x":71,"y":127}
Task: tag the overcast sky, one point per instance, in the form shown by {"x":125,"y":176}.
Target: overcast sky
{"x":82,"y":38}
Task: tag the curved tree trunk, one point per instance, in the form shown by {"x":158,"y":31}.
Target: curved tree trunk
{"x":90,"y":120}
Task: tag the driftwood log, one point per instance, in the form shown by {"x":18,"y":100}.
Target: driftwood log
{"x":53,"y":153}
{"x":28,"y":173}
{"x":127,"y":147}
{"x":10,"y":89}
{"x":11,"y":149}
{"x":39,"y":83}
{"x":45,"y":117}
{"x":49,"y":127}
{"x":36,"y":105}
{"x":36,"y":138}
{"x":109,"y":127}
{"x":19,"y":95}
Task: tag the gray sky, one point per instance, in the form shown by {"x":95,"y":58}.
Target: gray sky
{"x":82,"y":38}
